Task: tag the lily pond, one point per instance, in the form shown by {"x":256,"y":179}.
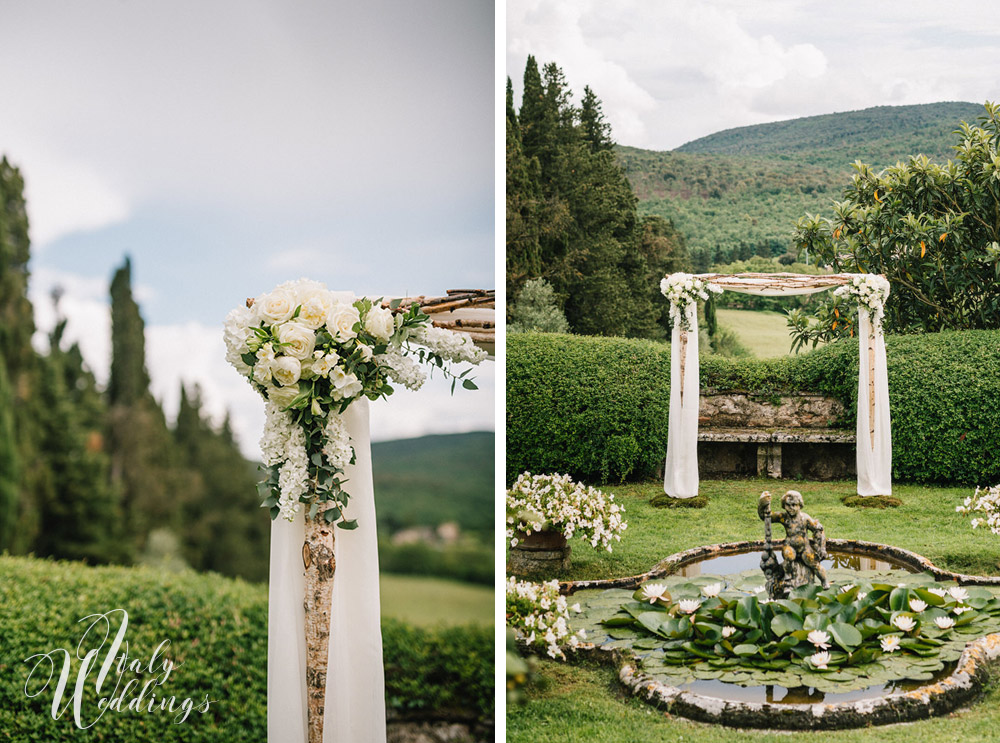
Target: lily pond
{"x":872,"y":632}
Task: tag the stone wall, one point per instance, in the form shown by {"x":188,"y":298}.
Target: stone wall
{"x":804,"y":434}
{"x":728,"y":409}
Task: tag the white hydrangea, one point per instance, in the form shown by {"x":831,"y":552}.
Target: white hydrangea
{"x":539,"y":614}
{"x":283,"y":444}
{"x":236,"y":334}
{"x":871,"y":292}
{"x":567,"y":506}
{"x":683,"y":291}
{"x":449,"y":345}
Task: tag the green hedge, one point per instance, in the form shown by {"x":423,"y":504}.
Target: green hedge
{"x":218,"y":631}
{"x":597,"y":408}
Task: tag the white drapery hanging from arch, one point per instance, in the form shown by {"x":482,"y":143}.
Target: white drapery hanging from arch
{"x":874,"y":437}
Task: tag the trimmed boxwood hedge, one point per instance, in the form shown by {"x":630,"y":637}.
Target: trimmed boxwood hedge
{"x":218,"y":630}
{"x":597,"y":408}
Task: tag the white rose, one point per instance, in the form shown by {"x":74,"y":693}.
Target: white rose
{"x":345,"y":385}
{"x":366,"y":352}
{"x":283,"y":396}
{"x":297,"y":340}
{"x":379,"y":323}
{"x":341,"y":319}
{"x":321,"y":367}
{"x":315,"y":309}
{"x":277,"y":306}
{"x":262,"y":372}
{"x":286,"y":370}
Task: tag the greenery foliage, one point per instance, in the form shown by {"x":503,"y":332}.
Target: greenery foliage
{"x":738,"y":638}
{"x":571,"y":213}
{"x":932,"y":230}
{"x":218,"y":633}
{"x":597,"y":408}
{"x":536,"y":309}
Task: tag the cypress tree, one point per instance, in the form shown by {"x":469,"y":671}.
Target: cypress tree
{"x":10,"y":470}
{"x":596,"y":131}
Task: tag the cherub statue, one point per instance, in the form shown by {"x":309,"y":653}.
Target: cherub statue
{"x":802,"y":554}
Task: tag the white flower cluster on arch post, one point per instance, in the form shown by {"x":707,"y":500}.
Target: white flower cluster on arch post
{"x":870,"y":291}
{"x":309,"y":353}
{"x":683,"y":290}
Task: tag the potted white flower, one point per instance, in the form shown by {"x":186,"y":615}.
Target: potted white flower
{"x":545,"y":511}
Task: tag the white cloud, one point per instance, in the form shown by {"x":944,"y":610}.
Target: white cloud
{"x":717,"y":64}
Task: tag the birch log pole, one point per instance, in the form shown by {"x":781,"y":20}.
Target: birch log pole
{"x":320,"y":565}
{"x":682,"y":352}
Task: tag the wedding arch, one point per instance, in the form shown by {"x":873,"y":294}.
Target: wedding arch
{"x":874,"y":439}
{"x":316,"y":357}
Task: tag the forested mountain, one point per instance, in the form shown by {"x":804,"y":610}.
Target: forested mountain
{"x":738,"y":192}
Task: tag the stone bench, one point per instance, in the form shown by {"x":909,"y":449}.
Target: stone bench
{"x":769,"y":442}
{"x":731,"y":419}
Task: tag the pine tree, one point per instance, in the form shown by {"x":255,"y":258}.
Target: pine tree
{"x":596,"y":131}
{"x":144,"y":466}
{"x":21,"y":363}
{"x":10,"y":470}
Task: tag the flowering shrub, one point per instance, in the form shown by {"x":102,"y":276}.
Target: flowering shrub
{"x":540,"y":616}
{"x":987,"y":503}
{"x":556,"y":502}
{"x":310,"y":352}
{"x":684,"y":290}
{"x":870,"y":291}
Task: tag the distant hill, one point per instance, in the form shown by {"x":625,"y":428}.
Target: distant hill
{"x":433,"y":479}
{"x":738,"y":192}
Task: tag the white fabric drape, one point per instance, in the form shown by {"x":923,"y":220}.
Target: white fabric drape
{"x":355,"y":696}
{"x":874,"y":432}
{"x":874,"y":456}
{"x":680,"y":472}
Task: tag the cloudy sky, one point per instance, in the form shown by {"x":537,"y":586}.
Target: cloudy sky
{"x":232,"y":145}
{"x":671,"y":71}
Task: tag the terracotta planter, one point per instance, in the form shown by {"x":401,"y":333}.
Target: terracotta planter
{"x":539,"y":552}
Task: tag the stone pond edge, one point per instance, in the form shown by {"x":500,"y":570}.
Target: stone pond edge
{"x":963,"y":685}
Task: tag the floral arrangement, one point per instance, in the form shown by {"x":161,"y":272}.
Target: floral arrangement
{"x":310,"y":352}
{"x":986,"y":502}
{"x":557,"y":503}
{"x":539,"y":615}
{"x":683,"y":290}
{"x":871,"y":291}
{"x":860,"y":629}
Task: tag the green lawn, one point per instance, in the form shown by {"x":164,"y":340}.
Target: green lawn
{"x":425,"y":601}
{"x":585,"y":703}
{"x":764,"y":334}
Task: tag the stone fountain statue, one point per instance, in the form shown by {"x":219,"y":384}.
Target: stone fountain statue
{"x":802,"y":554}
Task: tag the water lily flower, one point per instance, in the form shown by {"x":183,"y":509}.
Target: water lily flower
{"x":819,"y":638}
{"x":917,"y":605}
{"x":944,"y":622}
{"x":688,"y":606}
{"x":820,"y":660}
{"x":938,"y":592}
{"x":962,"y":609}
{"x":712,"y":591}
{"x":904,"y":622}
{"x":958,"y":593}
{"x":890,"y":643}
{"x":728,"y":630}
{"x":848,"y":587}
{"x":651,"y":592}
{"x":861,"y":595}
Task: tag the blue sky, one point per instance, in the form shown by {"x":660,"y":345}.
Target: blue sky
{"x":232,"y":145}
